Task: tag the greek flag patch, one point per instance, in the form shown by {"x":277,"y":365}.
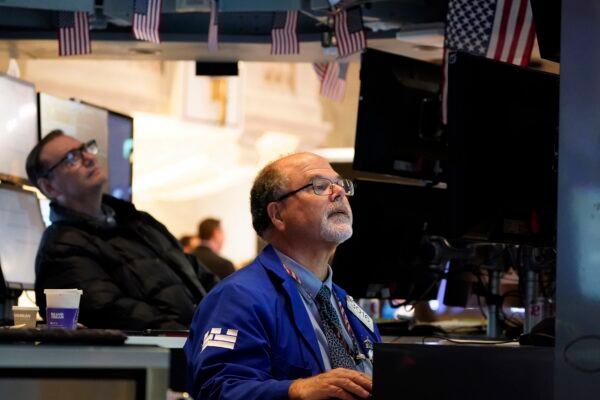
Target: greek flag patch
{"x":217,"y":338}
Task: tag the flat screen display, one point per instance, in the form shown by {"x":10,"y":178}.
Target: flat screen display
{"x":22,"y":229}
{"x":18,"y":126}
{"x":383,"y":258}
{"x":80,"y":120}
{"x":120,"y":148}
{"x":398,"y":128}
{"x":503,"y":141}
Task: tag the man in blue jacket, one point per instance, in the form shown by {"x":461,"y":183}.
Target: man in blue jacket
{"x":279,"y":328}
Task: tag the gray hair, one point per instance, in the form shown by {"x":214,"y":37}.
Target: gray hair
{"x":268,"y":186}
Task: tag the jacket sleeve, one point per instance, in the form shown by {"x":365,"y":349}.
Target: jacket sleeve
{"x":103,"y":303}
{"x":228,"y":349}
{"x":205,"y":276}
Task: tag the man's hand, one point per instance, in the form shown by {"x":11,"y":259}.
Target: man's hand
{"x":339,"y":383}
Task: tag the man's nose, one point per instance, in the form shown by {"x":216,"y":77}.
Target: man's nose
{"x":88,"y":158}
{"x":336,"y":191}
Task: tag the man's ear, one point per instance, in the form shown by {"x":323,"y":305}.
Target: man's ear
{"x":274,"y":211}
{"x":47,"y":188}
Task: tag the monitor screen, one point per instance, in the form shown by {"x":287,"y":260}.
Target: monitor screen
{"x":80,"y":120}
{"x":22,"y":229}
{"x":546,"y":15}
{"x":398,"y":129}
{"x":18,"y":126}
{"x":503,"y":141}
{"x":383,"y":258}
{"x":120,"y":148}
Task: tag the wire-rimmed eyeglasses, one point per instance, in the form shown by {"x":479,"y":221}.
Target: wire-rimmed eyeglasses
{"x":323,"y":187}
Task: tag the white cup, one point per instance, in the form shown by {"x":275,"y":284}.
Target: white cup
{"x":25,"y":316}
{"x":62,"y":307}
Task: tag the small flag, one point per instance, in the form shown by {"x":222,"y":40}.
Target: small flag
{"x":333,"y":79}
{"x":213,"y":28}
{"x":498,"y":29}
{"x":349,"y":31}
{"x":284,"y":35}
{"x":320,"y":69}
{"x":73,"y":33}
{"x":146,"y":19}
{"x":220,"y":337}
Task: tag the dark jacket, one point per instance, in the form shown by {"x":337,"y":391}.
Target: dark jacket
{"x":219,"y":266}
{"x":133,"y":272}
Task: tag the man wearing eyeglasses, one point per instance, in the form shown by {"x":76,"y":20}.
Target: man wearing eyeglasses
{"x":133,"y":272}
{"x":279,"y":328}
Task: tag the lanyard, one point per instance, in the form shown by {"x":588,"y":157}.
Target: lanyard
{"x":356,"y":355}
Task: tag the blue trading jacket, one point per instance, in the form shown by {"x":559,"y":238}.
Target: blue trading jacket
{"x":251,"y":335}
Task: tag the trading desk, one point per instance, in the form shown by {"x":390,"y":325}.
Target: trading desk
{"x":49,"y":372}
{"x":443,"y":371}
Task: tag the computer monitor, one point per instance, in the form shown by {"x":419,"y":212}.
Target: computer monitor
{"x":81,"y":120}
{"x":503,"y":142}
{"x":383,"y":257}
{"x":546,"y":15}
{"x":398,"y":129}
{"x":22,"y":229}
{"x":120,"y":147}
{"x":18,"y":127}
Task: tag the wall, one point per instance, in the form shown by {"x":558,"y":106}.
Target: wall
{"x":199,"y":141}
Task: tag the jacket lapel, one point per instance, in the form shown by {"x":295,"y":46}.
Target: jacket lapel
{"x":300,"y":318}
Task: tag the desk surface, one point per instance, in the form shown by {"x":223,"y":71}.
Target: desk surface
{"x":66,"y":356}
{"x":167,"y":342}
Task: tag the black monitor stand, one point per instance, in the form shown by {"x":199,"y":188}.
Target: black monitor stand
{"x":530,"y":261}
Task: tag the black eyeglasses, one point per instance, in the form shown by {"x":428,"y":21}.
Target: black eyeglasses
{"x":74,"y":157}
{"x":323,"y":187}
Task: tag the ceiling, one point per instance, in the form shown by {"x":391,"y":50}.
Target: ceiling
{"x":412,"y":28}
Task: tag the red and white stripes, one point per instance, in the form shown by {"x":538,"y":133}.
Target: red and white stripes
{"x":146,"y":21}
{"x":284,"y":35}
{"x":73,"y":33}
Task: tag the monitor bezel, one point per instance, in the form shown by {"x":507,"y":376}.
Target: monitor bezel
{"x":10,"y":284}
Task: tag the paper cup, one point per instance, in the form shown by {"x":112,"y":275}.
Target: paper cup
{"x":25,"y":316}
{"x":62,"y":307}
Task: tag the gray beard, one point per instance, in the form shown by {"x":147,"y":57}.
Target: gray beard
{"x":337,"y":230}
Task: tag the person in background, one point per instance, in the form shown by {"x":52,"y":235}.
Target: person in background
{"x":189,"y":243}
{"x":211,"y":241}
{"x":280,"y":328}
{"x":133,"y":272}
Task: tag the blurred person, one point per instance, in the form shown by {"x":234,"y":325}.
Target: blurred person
{"x":280,"y":328}
{"x":133,"y":272}
{"x":189,"y":243}
{"x":211,"y":241}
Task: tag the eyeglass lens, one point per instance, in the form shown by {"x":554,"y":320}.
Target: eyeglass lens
{"x":322,"y":186}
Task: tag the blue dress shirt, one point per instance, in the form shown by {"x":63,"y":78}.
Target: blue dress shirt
{"x":308,"y":291}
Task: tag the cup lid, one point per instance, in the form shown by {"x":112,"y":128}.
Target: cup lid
{"x":59,"y":291}
{"x":20,"y":308}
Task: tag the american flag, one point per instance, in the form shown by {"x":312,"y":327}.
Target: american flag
{"x":213,"y":28}
{"x":333,"y":79}
{"x":349,"y":31}
{"x":146,"y":19}
{"x":284,"y":35}
{"x":73,"y":33}
{"x":498,"y":29}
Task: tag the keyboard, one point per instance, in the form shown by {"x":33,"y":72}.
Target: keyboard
{"x":63,"y":336}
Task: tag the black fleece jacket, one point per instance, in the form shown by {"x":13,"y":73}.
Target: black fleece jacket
{"x":133,"y":272}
